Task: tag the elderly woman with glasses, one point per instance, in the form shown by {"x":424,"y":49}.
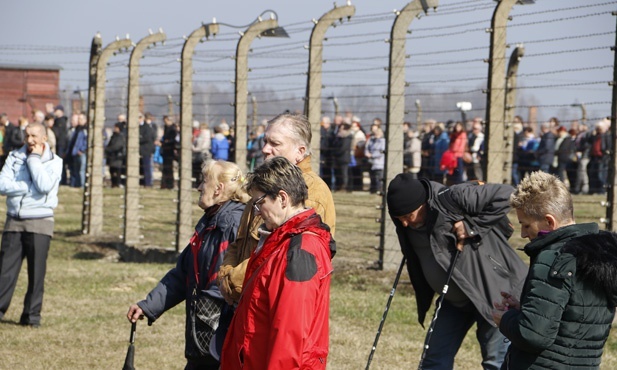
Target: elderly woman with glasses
{"x":223,"y":198}
{"x":281,"y":321}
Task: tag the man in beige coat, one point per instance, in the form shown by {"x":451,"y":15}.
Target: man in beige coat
{"x":289,"y":136}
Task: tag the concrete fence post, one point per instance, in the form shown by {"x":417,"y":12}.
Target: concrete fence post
{"x":95,"y":224}
{"x":497,"y":169}
{"x":254,"y":113}
{"x":611,"y":211}
{"x":511,"y":95}
{"x":132,"y":222}
{"x":241,"y":86}
{"x":95,"y":52}
{"x":390,"y":254}
{"x":184,"y":224}
{"x":312,"y":104}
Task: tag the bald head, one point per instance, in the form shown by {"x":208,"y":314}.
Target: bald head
{"x":37,"y":127}
{"x":36,"y":137}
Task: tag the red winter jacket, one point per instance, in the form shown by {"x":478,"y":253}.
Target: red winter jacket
{"x":281,"y":321}
{"x":448,"y":162}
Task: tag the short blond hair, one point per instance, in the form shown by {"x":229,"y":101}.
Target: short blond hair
{"x":539,"y":194}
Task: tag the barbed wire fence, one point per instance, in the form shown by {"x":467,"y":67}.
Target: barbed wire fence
{"x":355,"y":75}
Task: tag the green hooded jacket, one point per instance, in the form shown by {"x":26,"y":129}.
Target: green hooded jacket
{"x":568,"y":301}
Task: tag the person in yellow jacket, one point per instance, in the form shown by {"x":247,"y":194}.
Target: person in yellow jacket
{"x":289,"y":136}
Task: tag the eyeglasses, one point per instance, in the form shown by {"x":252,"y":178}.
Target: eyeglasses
{"x":258,"y":202}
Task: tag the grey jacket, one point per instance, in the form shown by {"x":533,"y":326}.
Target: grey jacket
{"x":487,"y":265}
{"x":30,"y":182}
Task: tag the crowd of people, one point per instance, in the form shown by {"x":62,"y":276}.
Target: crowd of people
{"x":448,"y":153}
{"x":256,"y":273}
{"x":352,"y":155}
{"x":579,"y":156}
{"x":159,"y":147}
{"x":257,"y":262}
{"x":453,"y":152}
{"x":66,"y":139}
{"x":244,"y":293}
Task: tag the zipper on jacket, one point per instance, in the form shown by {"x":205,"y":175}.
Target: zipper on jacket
{"x":21,"y":206}
{"x":498,"y":264}
{"x":506,"y":360}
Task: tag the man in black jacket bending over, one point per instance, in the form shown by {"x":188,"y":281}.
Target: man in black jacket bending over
{"x":432,"y":221}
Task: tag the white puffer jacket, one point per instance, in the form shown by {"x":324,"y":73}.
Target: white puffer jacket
{"x":30,"y":182}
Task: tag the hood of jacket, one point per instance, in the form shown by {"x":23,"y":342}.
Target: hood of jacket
{"x":223,"y":217}
{"x":306,"y":221}
{"x":555,"y":239}
{"x":596,"y":260}
{"x":432,"y":190}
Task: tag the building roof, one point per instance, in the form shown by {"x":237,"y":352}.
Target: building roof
{"x":23,"y":66}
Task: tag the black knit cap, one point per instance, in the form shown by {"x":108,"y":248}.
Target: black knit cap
{"x":405,"y":195}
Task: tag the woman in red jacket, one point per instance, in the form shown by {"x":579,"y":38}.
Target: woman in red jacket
{"x":458,"y":146}
{"x":281,"y":321}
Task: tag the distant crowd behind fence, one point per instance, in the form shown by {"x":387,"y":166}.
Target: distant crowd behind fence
{"x":415,"y":64}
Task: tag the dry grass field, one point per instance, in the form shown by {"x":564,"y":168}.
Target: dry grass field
{"x":88,"y":292}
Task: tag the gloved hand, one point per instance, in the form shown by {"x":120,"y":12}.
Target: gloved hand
{"x":230,"y":280}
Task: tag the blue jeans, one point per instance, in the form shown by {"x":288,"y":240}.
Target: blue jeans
{"x":451,"y":326}
{"x":78,"y":170}
{"x":516,"y":178}
{"x":146,"y":170}
{"x":545,"y":167}
{"x":597,"y":172}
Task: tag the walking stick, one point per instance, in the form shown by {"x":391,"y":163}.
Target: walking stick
{"x":130,"y":353}
{"x":385,"y":313}
{"x":427,"y":341}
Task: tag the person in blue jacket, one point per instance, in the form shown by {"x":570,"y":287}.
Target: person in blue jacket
{"x":78,"y":152}
{"x":30,"y":179}
{"x":220,"y":145}
{"x":194,"y":279}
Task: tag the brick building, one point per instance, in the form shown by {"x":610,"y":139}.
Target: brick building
{"x":24,"y":88}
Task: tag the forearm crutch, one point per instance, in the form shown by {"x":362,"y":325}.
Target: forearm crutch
{"x":427,"y":341}
{"x":385,"y":313}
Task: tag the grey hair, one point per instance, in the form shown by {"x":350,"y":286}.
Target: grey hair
{"x":539,"y":194}
{"x":299,"y":127}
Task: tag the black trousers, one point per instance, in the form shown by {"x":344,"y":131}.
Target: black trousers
{"x":167,"y":180}
{"x":14,"y":248}
{"x":207,"y":363}
{"x":341,"y":176}
{"x":116,"y":176}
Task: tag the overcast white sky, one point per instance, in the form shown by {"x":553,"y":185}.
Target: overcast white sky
{"x":59,"y":33}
